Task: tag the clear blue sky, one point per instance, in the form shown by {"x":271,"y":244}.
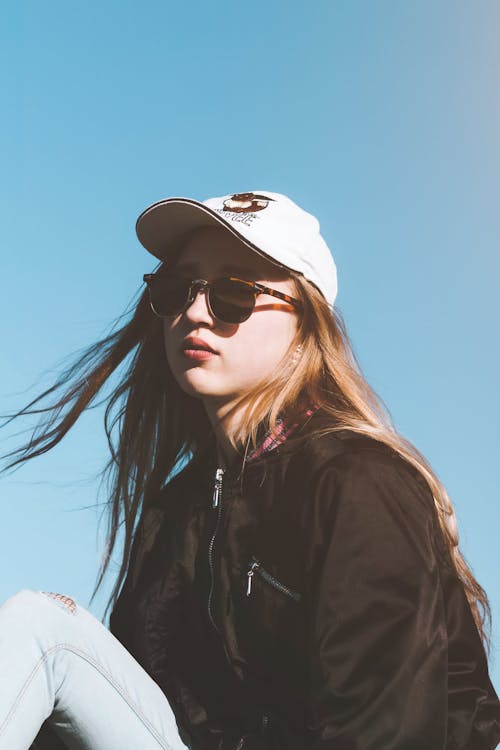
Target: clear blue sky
{"x":383,"y":119}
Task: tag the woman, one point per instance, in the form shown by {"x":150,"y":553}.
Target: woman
{"x":291,"y":572}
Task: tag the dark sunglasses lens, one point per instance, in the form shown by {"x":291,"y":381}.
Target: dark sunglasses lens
{"x":231,"y":301}
{"x":168,"y":293}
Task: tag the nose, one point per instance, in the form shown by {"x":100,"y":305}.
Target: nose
{"x":197,"y":310}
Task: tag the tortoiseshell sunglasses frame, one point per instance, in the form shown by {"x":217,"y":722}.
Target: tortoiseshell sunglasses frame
{"x":197,"y":284}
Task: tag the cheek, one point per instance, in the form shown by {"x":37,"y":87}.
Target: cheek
{"x":263,"y":344}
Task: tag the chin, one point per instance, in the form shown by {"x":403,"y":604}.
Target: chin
{"x":195,"y":383}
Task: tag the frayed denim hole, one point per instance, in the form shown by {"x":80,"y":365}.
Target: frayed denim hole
{"x":65,"y":602}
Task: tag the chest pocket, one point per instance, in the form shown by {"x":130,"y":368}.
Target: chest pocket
{"x":269,"y":615}
{"x":257,"y":569}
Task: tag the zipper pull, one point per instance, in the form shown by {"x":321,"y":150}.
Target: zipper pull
{"x":217,"y":487}
{"x":250,"y":573}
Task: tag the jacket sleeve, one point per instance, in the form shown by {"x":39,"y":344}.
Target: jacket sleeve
{"x":120,"y":620}
{"x":378,"y":637}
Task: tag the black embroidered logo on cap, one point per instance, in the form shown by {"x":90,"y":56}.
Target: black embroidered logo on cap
{"x":246,"y":202}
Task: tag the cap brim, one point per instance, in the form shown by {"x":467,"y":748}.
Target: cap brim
{"x":162,"y":224}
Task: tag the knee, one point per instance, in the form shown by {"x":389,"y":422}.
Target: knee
{"x":66,"y":602}
{"x":28,"y":600}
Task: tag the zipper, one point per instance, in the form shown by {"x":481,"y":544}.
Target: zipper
{"x":217,"y":487}
{"x":256,"y":567}
{"x":216,"y":503}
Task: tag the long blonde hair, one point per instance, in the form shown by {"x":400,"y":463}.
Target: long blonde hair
{"x":153,"y":427}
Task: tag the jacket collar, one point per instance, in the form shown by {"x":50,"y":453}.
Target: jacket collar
{"x":283,"y":430}
{"x":267,"y":441}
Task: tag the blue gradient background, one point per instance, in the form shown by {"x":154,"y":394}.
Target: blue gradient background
{"x":383,"y":119}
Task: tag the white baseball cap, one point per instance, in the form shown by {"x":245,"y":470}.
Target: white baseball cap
{"x":269,"y":223}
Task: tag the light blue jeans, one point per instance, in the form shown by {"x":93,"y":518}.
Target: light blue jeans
{"x":59,"y":662}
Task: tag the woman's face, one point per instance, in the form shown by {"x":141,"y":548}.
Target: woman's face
{"x":245,"y":353}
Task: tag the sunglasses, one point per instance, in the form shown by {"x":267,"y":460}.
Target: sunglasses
{"x":229,"y":299}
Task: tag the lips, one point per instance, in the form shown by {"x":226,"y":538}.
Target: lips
{"x":194,"y":342}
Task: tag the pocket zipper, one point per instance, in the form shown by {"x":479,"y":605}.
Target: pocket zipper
{"x":256,"y":567}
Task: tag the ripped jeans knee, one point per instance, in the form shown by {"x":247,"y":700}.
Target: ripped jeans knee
{"x":66,"y":602}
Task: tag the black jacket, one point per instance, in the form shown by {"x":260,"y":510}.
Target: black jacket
{"x":309,"y":605}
